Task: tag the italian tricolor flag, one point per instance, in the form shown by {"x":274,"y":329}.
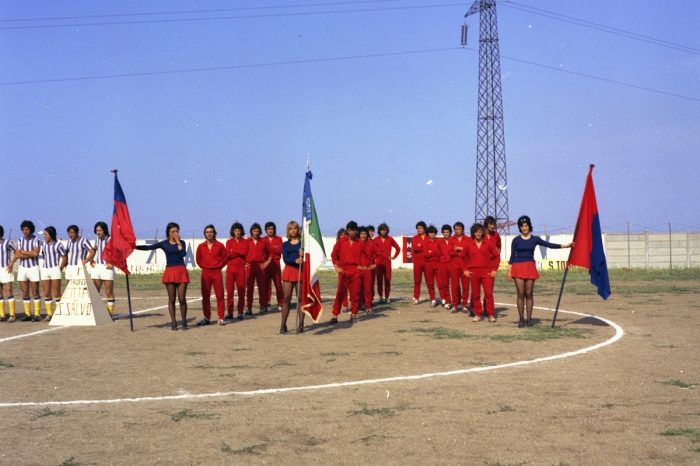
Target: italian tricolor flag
{"x":314,"y":256}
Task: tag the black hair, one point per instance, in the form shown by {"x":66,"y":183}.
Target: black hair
{"x":51,"y":231}
{"x":362,"y":230}
{"x":271,"y":224}
{"x":210,"y":226}
{"x":421,"y":224}
{"x":446,"y":227}
{"x":254,"y":226}
{"x":431,"y":229}
{"x":489,"y":220}
{"x":2,"y":231}
{"x":28,"y":224}
{"x":236,"y":226}
{"x":476,"y":227}
{"x":370,"y":227}
{"x":524,"y":220}
{"x":170,"y":226}
{"x":458,"y":224}
{"x":74,"y":228}
{"x":352,"y":225}
{"x":383,"y":226}
{"x":102,"y":225}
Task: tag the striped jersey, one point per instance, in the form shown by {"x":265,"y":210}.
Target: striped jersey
{"x":28,"y":245}
{"x":78,"y":250}
{"x":52,"y":254}
{"x":100,"y":246}
{"x":6,"y":247}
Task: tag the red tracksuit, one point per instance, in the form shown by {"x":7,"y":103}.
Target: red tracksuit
{"x":236,"y":251}
{"x":273,"y":272}
{"x":369,"y":257}
{"x":384,"y":264}
{"x":418,"y":263}
{"x":494,"y":239}
{"x":348,"y":256}
{"x":482,"y":261}
{"x":460,"y":263}
{"x":211,"y":261}
{"x":258,"y":252}
{"x":445,"y":269}
{"x":431,"y":253}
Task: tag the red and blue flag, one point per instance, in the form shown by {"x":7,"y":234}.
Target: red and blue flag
{"x":122,"y":242}
{"x":588,"y":249}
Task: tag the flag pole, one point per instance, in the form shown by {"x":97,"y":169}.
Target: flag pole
{"x":128,"y":295}
{"x":566,"y":271}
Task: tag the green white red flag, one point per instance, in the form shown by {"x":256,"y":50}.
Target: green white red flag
{"x":314,"y":255}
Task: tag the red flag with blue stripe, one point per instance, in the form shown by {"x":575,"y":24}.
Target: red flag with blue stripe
{"x":122,"y":242}
{"x":588,"y":249}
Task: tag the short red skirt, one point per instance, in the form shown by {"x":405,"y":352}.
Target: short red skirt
{"x":525,"y":270}
{"x":290,"y":274}
{"x":176,"y":274}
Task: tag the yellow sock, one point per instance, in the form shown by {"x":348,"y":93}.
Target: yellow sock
{"x":110,"y":306}
{"x":26,"y":307}
{"x":12,"y":307}
{"x":2,"y":308}
{"x":37,"y":306}
{"x":49,"y":312}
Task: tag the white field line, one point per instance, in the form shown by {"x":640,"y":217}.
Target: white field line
{"x":618,"y":334}
{"x":119,"y":317}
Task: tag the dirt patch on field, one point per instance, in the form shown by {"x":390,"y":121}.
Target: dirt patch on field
{"x":632,"y":402}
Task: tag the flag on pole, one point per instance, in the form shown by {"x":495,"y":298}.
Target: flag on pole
{"x":314,"y":255}
{"x":122,"y":242}
{"x":588,"y":248}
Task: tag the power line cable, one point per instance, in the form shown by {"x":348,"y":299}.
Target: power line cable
{"x":352,"y":57}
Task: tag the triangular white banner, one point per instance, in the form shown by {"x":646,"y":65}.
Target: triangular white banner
{"x":81,"y":303}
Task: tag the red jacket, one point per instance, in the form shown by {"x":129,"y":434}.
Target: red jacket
{"x":446,"y":252}
{"x":258,"y":252}
{"x":236,"y":251}
{"x":485,"y":256}
{"x":431,"y":250}
{"x":214,"y":258}
{"x":370,"y":254}
{"x":417,"y":247}
{"x":275,"y":247}
{"x":386,"y":246}
{"x":346,"y":254}
{"x":460,"y":259}
{"x":494,"y":239}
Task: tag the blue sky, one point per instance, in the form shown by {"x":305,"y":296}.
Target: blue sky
{"x":389,"y":123}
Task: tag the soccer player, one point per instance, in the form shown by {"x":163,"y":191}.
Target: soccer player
{"x":347,"y":261}
{"x":257,"y":260}
{"x":418,"y":260}
{"x":459,"y":243}
{"x":211,"y":258}
{"x":483,"y":266}
{"x":28,"y":274}
{"x":6,"y":277}
{"x":522,"y":266}
{"x":386,"y":243}
{"x":236,"y":252}
{"x":100,"y":270}
{"x":80,"y":252}
{"x":292,"y":256}
{"x":273,"y":272}
{"x":175,"y":276}
{"x":368,"y":262}
{"x":431,"y":253}
{"x":55,"y":261}
{"x":445,"y":267}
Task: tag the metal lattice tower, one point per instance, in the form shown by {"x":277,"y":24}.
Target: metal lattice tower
{"x":491,"y":182}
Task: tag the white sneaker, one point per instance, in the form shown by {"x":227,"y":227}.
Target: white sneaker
{"x":433,"y":303}
{"x":444,"y":302}
{"x":448,"y":306}
{"x":415,"y":301}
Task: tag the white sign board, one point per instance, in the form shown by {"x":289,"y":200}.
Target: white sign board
{"x":81,"y":304}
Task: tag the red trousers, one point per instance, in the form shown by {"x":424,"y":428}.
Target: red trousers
{"x":374,"y":279}
{"x":256,"y":274}
{"x":446,"y":270}
{"x":418,"y":274}
{"x":460,"y":294}
{"x":212,"y":277}
{"x":349,"y":280}
{"x":383,"y":277}
{"x":480,"y":277}
{"x":366,"y":288}
{"x":235,"y":275}
{"x":431,"y":273}
{"x":273,"y":273}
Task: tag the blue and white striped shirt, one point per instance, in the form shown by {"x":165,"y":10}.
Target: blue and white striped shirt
{"x":28,"y":245}
{"x":52,"y":254}
{"x":100,"y":246}
{"x":6,"y":247}
{"x":78,"y":250}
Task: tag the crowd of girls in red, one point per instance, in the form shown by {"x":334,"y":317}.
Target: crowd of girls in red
{"x":455,"y":262}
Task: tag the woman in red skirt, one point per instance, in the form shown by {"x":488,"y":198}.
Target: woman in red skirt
{"x":175,"y":276}
{"x":292,"y":257}
{"x":522,"y":266}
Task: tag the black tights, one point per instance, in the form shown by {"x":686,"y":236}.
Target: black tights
{"x":524,"y":287}
{"x":289,"y":288}
{"x":177,"y":290}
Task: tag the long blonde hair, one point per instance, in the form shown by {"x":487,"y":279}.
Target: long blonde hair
{"x":289,"y":227}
